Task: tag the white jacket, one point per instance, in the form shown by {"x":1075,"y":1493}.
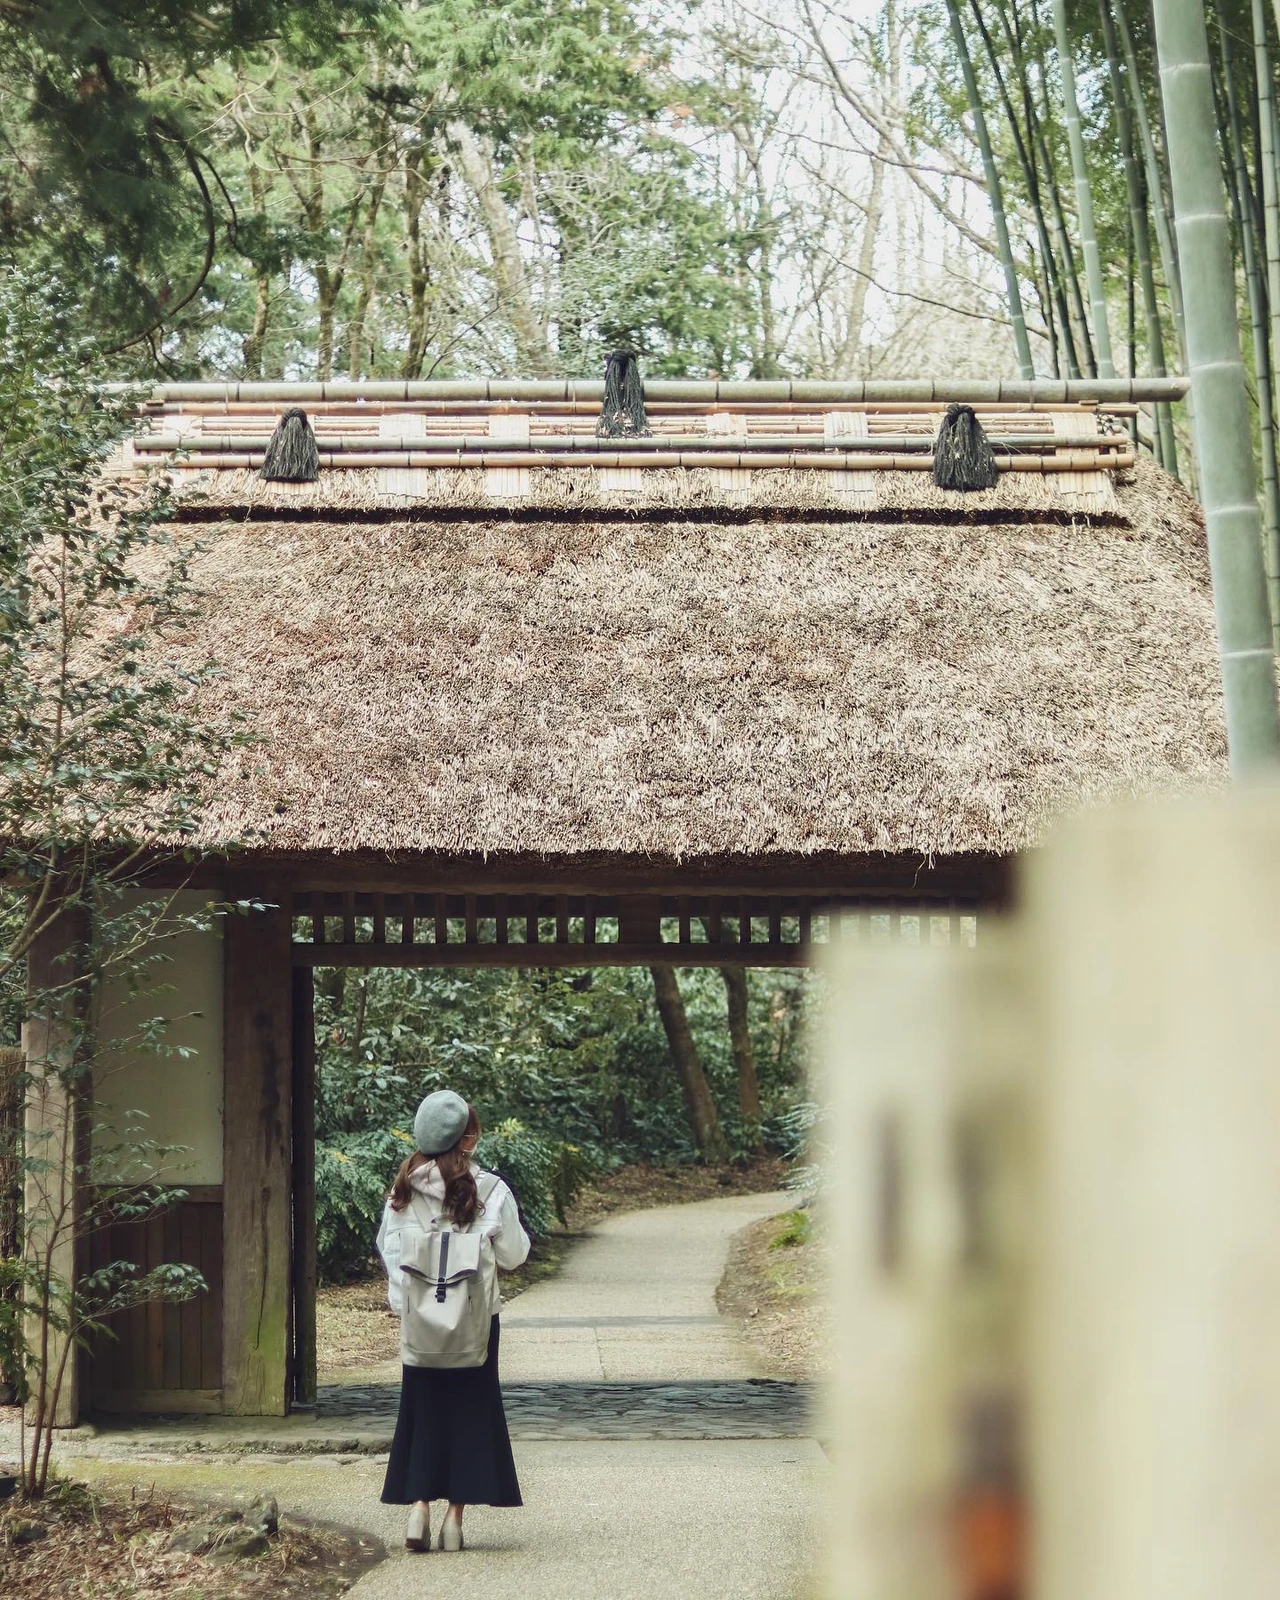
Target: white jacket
{"x":499,"y":1219}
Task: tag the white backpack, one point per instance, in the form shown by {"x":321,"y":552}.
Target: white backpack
{"x":446,"y":1276}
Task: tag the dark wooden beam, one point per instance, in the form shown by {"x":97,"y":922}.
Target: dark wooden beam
{"x":551,"y":955}
{"x":986,"y":879}
{"x":257,"y":1155}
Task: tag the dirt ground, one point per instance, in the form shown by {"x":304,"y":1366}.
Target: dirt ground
{"x":635,"y":1188}
{"x":773,"y":1285}
{"x":355,"y":1330}
{"x":82,"y":1544}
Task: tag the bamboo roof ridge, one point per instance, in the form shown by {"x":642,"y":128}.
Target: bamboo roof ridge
{"x":430,"y":447}
{"x":969,"y":391}
{"x":734,"y":663}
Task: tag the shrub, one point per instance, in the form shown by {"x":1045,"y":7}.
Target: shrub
{"x":545,"y":1174}
{"x":796,"y":1228}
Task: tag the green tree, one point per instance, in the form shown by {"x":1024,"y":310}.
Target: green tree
{"x":102,"y":750}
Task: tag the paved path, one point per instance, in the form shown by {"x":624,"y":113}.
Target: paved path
{"x":652,"y":1458}
{"x":636,"y":1301}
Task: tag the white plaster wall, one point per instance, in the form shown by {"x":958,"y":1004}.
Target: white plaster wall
{"x":181,"y":1096}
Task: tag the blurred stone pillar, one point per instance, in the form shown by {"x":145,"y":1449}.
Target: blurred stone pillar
{"x":925,"y":1083}
{"x":1156,"y":1302}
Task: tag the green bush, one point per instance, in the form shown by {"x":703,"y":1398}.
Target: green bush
{"x":545,"y":1174}
{"x":354,"y":1172}
{"x":795,"y":1228}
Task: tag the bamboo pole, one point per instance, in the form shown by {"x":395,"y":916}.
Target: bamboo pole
{"x":1271,"y":228}
{"x":911,"y":460}
{"x":584,"y":444}
{"x":1141,"y":237}
{"x":995,"y":197}
{"x":1219,"y":388}
{"x":1084,"y":195}
{"x":969,"y":391}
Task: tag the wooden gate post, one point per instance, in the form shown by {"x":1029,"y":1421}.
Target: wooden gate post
{"x":304,"y":1187}
{"x":257,"y":1157}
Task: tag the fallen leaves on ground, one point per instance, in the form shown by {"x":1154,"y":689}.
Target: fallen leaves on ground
{"x":82,"y":1544}
{"x":637,"y":1187}
{"x":773,"y":1285}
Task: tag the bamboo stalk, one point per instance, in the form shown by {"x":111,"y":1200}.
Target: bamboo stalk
{"x":995,"y":196}
{"x":1141,"y":238}
{"x":1242,"y":200}
{"x":1084,"y":195}
{"x":1156,"y":198}
{"x":1056,"y":297}
{"x":1220,"y":389}
{"x":1013,"y":30}
{"x":1271,"y":226}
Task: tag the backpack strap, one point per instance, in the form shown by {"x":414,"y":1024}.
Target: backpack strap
{"x":487,"y":1195}
{"x":418,"y":1205}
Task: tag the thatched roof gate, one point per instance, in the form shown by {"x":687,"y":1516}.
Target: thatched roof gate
{"x":714,"y":694}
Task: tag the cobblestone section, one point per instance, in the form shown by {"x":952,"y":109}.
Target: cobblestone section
{"x":750,"y":1408}
{"x":359,"y":1419}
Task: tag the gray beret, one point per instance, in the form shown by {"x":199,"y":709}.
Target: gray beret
{"x":440,"y":1122}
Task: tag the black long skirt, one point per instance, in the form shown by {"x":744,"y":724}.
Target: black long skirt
{"x":451,"y":1441}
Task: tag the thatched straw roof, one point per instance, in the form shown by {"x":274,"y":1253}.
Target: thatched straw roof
{"x":702,"y":667}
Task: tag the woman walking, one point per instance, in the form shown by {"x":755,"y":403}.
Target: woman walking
{"x":447,"y":1229}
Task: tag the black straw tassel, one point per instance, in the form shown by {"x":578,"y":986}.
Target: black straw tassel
{"x":622,"y":412}
{"x":962,"y":457}
{"x":292,"y":456}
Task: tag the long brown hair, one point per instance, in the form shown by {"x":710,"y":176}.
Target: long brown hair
{"x":461,"y":1197}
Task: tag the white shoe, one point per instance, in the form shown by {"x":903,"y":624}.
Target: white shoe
{"x":451,"y":1534}
{"x":417,"y":1536}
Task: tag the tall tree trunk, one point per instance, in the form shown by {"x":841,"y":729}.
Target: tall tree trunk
{"x":1021,"y":344}
{"x":1271,"y":222}
{"x":1141,"y":238}
{"x":744,"y":1056}
{"x":357,"y":338}
{"x":1221,"y":390}
{"x":873,"y":215}
{"x":1244,"y":208}
{"x":255,"y":343}
{"x":1084,"y":195}
{"x":415,"y":196}
{"x":704,"y":1119}
{"x":476,"y":158}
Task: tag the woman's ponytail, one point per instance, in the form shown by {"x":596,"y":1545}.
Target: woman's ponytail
{"x":461,"y":1196}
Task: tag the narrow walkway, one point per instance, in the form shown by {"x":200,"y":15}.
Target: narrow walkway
{"x":636,"y":1301}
